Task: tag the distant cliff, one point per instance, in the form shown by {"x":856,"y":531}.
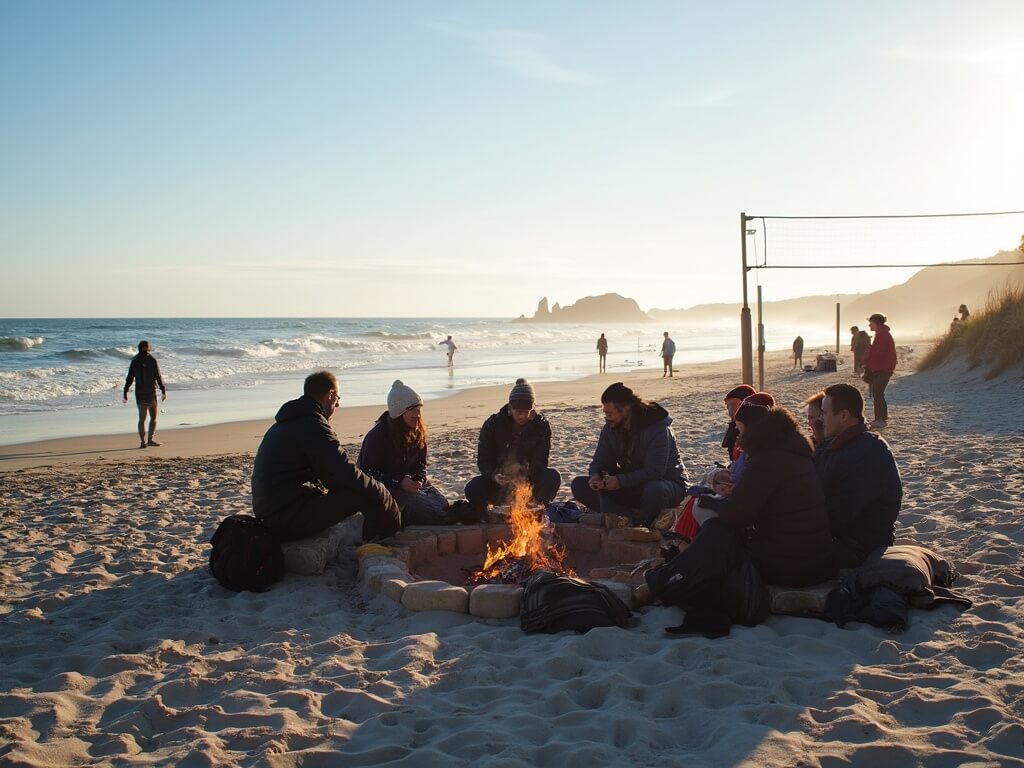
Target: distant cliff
{"x":608,"y":308}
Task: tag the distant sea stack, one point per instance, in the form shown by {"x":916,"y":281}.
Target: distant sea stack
{"x":608,"y":308}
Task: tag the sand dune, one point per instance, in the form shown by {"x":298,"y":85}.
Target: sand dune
{"x":119,"y":648}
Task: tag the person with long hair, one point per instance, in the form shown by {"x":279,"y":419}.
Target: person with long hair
{"x":394,"y":452}
{"x":636,"y":471}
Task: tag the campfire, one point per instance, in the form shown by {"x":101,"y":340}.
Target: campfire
{"x":531,"y":548}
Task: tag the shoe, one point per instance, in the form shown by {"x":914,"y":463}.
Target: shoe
{"x":153,"y":443}
{"x":142,"y":444}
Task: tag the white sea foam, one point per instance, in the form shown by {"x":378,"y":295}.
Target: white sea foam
{"x":19,"y":343}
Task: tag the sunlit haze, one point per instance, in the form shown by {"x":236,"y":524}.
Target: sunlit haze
{"x":465,"y":159}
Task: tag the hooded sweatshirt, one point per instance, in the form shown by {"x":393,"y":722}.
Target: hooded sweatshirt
{"x":645,"y":452}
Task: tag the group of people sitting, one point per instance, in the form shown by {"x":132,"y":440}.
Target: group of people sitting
{"x":796,"y":505}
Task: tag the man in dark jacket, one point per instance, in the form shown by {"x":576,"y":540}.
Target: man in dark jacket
{"x":302,"y":480}
{"x":514,"y":446}
{"x":636,"y":470}
{"x":145,"y":372}
{"x":858,"y":473}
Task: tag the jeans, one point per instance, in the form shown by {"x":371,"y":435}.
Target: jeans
{"x":641,"y":503}
{"x":879,"y":381}
{"x":481,"y":491}
{"x":319,"y":512}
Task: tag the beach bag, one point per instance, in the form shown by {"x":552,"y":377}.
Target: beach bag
{"x":553,"y":603}
{"x":245,"y":555}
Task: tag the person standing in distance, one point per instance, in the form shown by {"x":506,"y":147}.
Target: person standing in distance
{"x":145,"y":372}
{"x":602,"y":353}
{"x":451,"y":349}
{"x":668,"y":351}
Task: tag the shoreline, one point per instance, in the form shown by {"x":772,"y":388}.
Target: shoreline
{"x":463,"y":409}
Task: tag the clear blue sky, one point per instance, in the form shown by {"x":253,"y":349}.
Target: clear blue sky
{"x":413,"y":158}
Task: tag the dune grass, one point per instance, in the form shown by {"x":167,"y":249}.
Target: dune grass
{"x":993,"y":337}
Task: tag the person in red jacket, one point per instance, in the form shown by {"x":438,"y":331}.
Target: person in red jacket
{"x":879,"y":363}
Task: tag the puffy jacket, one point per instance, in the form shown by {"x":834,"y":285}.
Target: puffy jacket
{"x":863,"y":492}
{"x":779,"y":503}
{"x":375,"y":458}
{"x":881,"y":356}
{"x":646,"y":452}
{"x":300,"y":456}
{"x":500,"y":448}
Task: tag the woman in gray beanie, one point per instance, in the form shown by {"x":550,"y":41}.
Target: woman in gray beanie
{"x":394,"y":452}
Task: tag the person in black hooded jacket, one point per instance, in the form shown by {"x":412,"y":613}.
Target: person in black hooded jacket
{"x":514,"y":445}
{"x":636,"y":470}
{"x":302,"y":480}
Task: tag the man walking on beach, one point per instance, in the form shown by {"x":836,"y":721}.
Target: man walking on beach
{"x":451,"y":349}
{"x":145,"y":372}
{"x":636,"y":470}
{"x":302,"y":480}
{"x":858,"y":472}
{"x":514,"y":447}
{"x":602,"y":353}
{"x":668,"y":351}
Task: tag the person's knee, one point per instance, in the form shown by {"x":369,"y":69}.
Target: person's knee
{"x":546,"y":485}
{"x":656,"y":496}
{"x":478,"y":492}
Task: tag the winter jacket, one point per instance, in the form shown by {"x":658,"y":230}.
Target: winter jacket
{"x":881,"y":356}
{"x":779,"y":504}
{"x":300,"y":456}
{"x":375,"y":458}
{"x":863,"y":492}
{"x":501,"y":449}
{"x":145,"y":372}
{"x":644,"y":453}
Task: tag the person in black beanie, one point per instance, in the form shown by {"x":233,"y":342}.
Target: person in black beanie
{"x":636,"y":470}
{"x":514,"y":447}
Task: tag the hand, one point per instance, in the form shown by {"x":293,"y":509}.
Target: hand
{"x":163,"y":396}
{"x":410,"y":486}
{"x":611,"y":483}
{"x":501,"y":479}
{"x":126,"y":397}
{"x":596,"y":483}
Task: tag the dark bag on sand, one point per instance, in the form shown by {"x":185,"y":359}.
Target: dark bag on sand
{"x":245,"y":554}
{"x":553,"y":603}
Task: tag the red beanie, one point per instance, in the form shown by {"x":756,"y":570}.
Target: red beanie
{"x":740,"y":392}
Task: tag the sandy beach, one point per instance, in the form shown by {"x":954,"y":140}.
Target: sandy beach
{"x":119,"y":648}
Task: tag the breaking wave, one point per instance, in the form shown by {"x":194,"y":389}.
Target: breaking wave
{"x":19,"y":343}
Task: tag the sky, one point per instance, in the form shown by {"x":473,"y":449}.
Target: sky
{"x":447,"y":159}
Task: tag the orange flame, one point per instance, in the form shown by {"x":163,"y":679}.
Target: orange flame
{"x":528,"y":541}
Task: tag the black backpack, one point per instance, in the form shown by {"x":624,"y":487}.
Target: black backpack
{"x":245,"y":554}
{"x":553,"y":603}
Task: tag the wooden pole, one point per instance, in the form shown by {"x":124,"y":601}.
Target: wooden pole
{"x":746,"y":354}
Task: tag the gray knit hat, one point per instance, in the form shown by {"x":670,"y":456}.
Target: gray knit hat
{"x":521,"y":396}
{"x":401,"y":398}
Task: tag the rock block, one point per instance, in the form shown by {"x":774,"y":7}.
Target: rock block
{"x":800,"y":600}
{"x":394,"y":588}
{"x":445,"y":542}
{"x":435,"y":596}
{"x":424,"y":550}
{"x":640,"y":534}
{"x":569,"y":533}
{"x":592,"y":518}
{"x":495,"y":601}
{"x":590,"y":539}
{"x":616,"y":521}
{"x":497,"y":534}
{"x":310,"y":556}
{"x":391,"y":561}
{"x":375,"y":576}
{"x":469,"y":540}
{"x":497,"y":514}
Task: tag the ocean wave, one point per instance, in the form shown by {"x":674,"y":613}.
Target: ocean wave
{"x":389,"y":336}
{"x":124,"y":353}
{"x":19,"y":343}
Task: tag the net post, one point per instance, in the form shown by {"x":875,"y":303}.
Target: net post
{"x":745,"y":335}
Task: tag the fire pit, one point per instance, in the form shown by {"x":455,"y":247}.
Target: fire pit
{"x":467,"y":568}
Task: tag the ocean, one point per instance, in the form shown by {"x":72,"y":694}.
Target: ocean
{"x":64,"y":377}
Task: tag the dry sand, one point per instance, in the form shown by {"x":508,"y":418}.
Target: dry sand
{"x":118,"y":647}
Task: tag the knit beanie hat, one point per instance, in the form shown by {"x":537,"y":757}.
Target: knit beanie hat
{"x":521,"y":396}
{"x":740,"y":392}
{"x":401,"y":398}
{"x":754,"y":408}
